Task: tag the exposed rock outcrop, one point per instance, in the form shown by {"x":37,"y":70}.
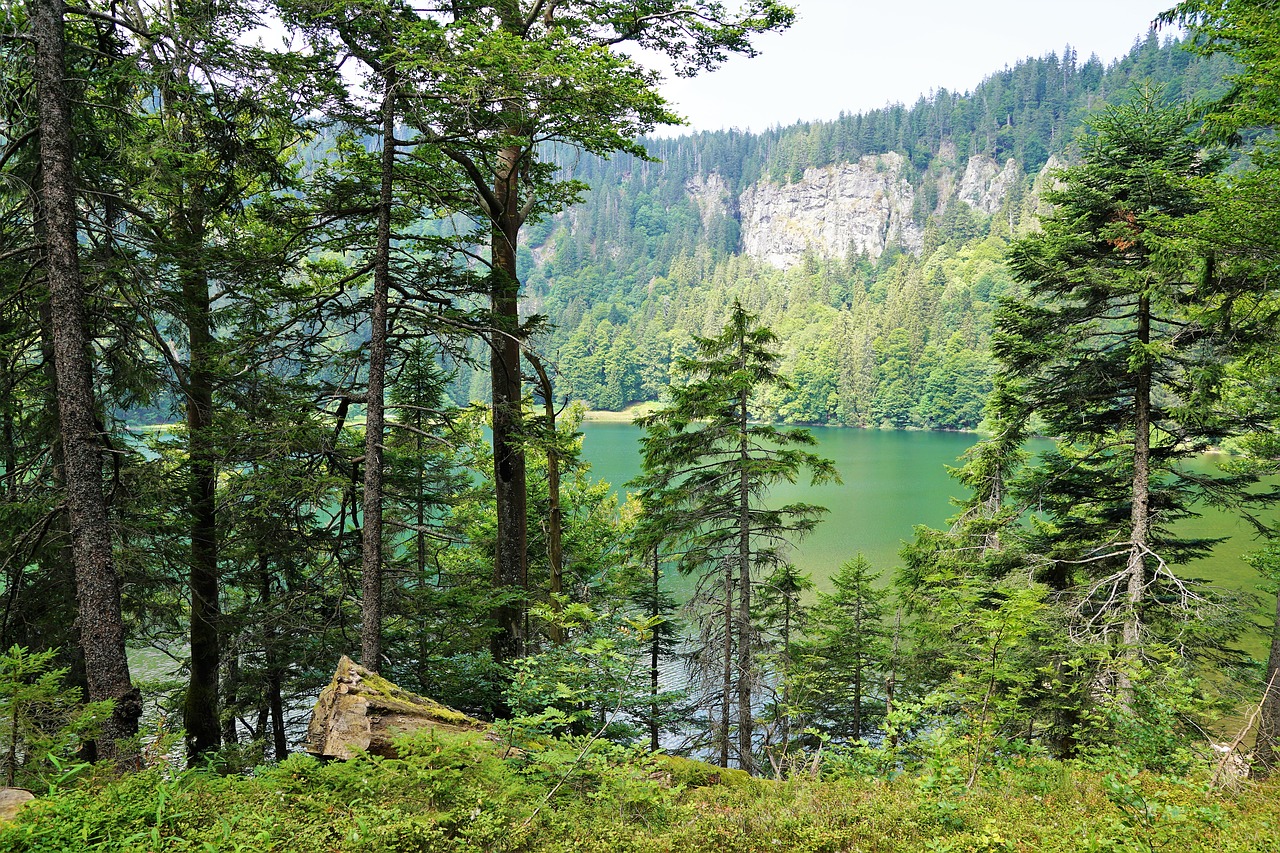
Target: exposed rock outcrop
{"x":985,"y":185}
{"x":711,"y":194}
{"x":12,"y":800}
{"x":862,"y":205}
{"x":361,"y":711}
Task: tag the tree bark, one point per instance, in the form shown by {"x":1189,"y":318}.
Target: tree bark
{"x":274,"y":701}
{"x":1268,"y":743}
{"x":371,"y":530}
{"x":510,"y":573}
{"x":97,"y":586}
{"x":745,"y":758}
{"x":726,"y":688}
{"x":1140,"y":508}
{"x":654,"y":649}
{"x":201,"y":708}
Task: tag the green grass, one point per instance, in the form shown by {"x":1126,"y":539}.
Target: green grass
{"x":456,"y":793}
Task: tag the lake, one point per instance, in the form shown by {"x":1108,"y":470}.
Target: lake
{"x":894,"y":480}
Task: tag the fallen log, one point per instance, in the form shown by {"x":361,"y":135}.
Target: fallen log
{"x":362,"y":712}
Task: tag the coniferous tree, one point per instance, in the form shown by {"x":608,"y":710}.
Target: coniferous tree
{"x":707,"y":468}
{"x":783,"y":616}
{"x":211,"y":249}
{"x":846,"y":651}
{"x":101,"y":626}
{"x":1238,"y":229}
{"x":1109,"y":350}
{"x":545,"y":73}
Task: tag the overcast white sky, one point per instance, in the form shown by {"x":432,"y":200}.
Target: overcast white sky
{"x":854,"y":55}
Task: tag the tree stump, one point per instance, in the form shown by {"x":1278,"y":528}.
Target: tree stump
{"x":362,"y":712}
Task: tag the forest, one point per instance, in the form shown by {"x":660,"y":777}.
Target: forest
{"x":297,"y":343}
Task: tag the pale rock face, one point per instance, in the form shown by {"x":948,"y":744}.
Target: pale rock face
{"x":985,"y":185}
{"x":865,"y":204}
{"x":711,"y":194}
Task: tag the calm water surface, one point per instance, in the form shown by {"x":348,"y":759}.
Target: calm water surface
{"x":894,"y":480}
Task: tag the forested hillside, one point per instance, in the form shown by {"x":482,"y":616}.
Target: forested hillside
{"x":888,"y":330}
{"x":292,"y":259}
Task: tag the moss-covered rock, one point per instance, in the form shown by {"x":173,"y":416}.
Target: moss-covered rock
{"x":360,"y":711}
{"x":698,"y":774}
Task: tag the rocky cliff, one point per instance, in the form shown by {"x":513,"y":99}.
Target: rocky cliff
{"x":862,"y":206}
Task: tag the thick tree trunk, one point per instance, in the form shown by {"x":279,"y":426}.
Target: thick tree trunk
{"x":58,"y":567}
{"x":97,"y":587}
{"x":510,"y":572}
{"x":745,"y":758}
{"x":201,"y":709}
{"x":371,"y":530}
{"x":1268,"y":744}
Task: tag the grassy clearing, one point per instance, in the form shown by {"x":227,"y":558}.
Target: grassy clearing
{"x":626,"y":416}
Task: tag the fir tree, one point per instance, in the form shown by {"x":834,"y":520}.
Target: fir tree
{"x":1107,"y":349}
{"x":707,"y":468}
{"x":846,"y":652}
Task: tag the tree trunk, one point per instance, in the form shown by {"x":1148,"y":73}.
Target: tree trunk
{"x":97,"y":587}
{"x":786,"y":672}
{"x":371,"y":530}
{"x":726,"y":688}
{"x":510,"y":573}
{"x":9,"y":483}
{"x":857,"y":673}
{"x":201,"y":709}
{"x":555,"y":516}
{"x":1140,"y":511}
{"x":275,"y":703}
{"x":58,"y":568}
{"x":1268,"y":744}
{"x":654,"y":648}
{"x":745,"y":760}
{"x":230,"y":690}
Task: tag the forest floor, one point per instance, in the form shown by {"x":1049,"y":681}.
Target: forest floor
{"x":458,"y":793}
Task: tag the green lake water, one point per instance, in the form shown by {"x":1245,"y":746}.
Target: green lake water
{"x":894,"y":480}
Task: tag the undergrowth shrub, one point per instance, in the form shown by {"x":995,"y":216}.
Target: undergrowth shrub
{"x":42,"y":721}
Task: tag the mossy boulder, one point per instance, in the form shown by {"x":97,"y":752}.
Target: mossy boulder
{"x":361,"y":711}
{"x":691,"y":773}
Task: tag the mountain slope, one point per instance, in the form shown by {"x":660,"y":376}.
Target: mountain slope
{"x":872,"y":244}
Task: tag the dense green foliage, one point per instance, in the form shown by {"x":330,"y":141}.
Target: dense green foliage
{"x":304,"y":278}
{"x":901,"y":340}
{"x":449,"y":794}
{"x":706,"y":470}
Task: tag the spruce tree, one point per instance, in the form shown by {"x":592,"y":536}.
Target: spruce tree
{"x":1240,"y":230}
{"x":846,"y":652}
{"x":1109,"y":348}
{"x":707,"y":468}
{"x":97,"y":583}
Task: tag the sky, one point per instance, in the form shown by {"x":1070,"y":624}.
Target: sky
{"x":854,"y":55}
